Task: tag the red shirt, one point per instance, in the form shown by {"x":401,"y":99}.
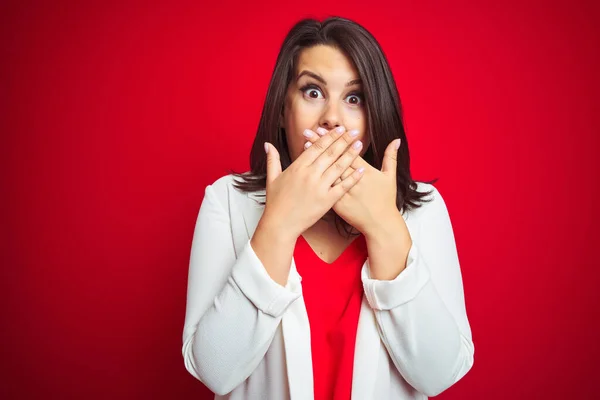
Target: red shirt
{"x":332,"y":294}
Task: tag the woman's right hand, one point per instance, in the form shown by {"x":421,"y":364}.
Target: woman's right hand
{"x":299,"y":196}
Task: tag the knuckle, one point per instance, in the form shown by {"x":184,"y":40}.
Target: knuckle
{"x":319,"y":145}
{"x":339,"y":167}
{"x":330,"y":151}
{"x":347,"y":158}
{"x":351,"y":154}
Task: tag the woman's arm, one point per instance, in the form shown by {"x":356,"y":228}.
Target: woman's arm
{"x":233,"y":305}
{"x":421,"y":313}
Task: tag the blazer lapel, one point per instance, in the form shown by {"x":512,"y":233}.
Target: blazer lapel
{"x":294,"y":323}
{"x":366,"y":353}
{"x":296,"y":339}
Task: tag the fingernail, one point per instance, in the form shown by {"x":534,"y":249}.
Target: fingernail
{"x":321,"y":131}
{"x":340,"y":129}
{"x":361,"y":170}
{"x":357,"y":144}
{"x":307,"y":145}
{"x":353,"y":133}
{"x":266,"y":147}
{"x":308,"y":133}
{"x":398,"y":143}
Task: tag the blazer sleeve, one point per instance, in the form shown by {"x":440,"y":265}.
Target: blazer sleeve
{"x":233,"y":306}
{"x":421,"y":314}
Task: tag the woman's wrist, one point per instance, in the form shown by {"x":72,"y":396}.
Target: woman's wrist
{"x":279,"y":230}
{"x":274,"y":247}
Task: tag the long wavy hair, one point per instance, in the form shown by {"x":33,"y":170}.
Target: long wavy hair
{"x":382,"y":102}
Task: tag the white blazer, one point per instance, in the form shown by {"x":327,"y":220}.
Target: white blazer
{"x":247,"y":337}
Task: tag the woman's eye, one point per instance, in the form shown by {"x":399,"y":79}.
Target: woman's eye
{"x":313,"y":93}
{"x":354,"y":99}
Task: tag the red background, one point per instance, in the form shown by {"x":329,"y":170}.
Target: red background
{"x":115,"y":116}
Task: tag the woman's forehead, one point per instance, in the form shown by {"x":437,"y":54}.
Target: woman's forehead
{"x":327,"y":62}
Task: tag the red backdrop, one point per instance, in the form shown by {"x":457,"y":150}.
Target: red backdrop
{"x":115,"y":117}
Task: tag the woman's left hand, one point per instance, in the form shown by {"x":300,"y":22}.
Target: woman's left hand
{"x":372,"y":201}
{"x":370,"y":206}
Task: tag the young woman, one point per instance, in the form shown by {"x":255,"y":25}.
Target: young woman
{"x":326,"y":272}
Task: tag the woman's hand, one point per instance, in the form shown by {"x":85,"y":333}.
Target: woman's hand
{"x":368,"y":205}
{"x":305,"y":191}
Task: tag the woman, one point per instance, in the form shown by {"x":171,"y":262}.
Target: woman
{"x":326,"y":271}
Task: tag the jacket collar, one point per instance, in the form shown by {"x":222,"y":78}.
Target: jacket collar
{"x":253,"y":211}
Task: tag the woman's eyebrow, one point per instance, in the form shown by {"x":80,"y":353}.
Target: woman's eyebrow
{"x":320,"y":79}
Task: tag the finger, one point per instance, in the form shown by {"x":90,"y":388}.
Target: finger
{"x":322,"y":131}
{"x":360,"y":162}
{"x":330,"y":155}
{"x":357,"y":163}
{"x":346,"y":174}
{"x":273,"y":163}
{"x":309,"y":156}
{"x":390,"y":158}
{"x":313,"y":138}
{"x":310,"y":140}
{"x":340,"y":165}
{"x":339,"y":190}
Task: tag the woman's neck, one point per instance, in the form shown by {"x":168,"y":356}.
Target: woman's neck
{"x":327,"y":223}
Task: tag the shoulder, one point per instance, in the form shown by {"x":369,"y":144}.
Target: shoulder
{"x":223,"y":189}
{"x":434,"y":193}
{"x":433,"y":203}
{"x":223,"y":184}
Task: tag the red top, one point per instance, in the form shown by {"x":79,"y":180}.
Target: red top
{"x":333,"y":295}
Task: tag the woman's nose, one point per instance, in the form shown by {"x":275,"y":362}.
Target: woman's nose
{"x":331,"y":117}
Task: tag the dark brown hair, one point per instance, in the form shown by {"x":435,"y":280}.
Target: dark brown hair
{"x":382,"y":102}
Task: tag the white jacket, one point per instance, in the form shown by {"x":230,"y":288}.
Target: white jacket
{"x":247,"y":337}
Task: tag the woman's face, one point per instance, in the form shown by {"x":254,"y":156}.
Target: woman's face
{"x":326,"y":92}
